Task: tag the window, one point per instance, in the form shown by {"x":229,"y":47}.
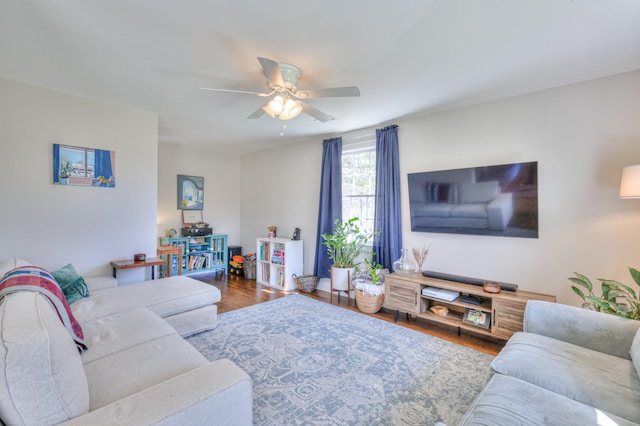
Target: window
{"x":359,"y":186}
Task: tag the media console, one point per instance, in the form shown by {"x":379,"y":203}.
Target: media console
{"x":503,"y":312}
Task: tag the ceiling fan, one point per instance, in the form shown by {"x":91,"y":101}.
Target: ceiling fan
{"x":286,"y":103}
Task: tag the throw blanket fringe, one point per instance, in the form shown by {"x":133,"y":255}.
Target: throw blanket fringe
{"x":33,"y":278}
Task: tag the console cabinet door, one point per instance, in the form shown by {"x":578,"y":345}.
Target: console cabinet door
{"x":508,"y":316}
{"x":401,"y":295}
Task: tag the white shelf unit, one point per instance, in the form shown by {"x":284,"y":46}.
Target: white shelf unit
{"x":277,"y":260}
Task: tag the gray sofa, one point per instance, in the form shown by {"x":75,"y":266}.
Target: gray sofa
{"x":569,"y":366}
{"x":461,"y":205}
{"x":137,"y":369}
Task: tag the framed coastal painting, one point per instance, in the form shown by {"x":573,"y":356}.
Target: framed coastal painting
{"x":190,"y":192}
{"x":79,"y":166}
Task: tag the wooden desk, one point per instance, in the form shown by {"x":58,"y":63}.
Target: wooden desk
{"x":168,"y":251}
{"x":130,"y":264}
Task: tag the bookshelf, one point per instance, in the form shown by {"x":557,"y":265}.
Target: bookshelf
{"x":198,"y":254}
{"x":277,"y":260}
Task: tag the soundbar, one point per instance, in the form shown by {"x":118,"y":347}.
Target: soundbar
{"x":468,"y":280}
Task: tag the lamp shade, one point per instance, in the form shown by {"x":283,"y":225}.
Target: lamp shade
{"x":630,"y":182}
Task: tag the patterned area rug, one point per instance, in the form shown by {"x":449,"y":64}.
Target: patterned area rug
{"x":317,"y":364}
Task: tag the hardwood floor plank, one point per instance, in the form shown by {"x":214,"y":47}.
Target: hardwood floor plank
{"x":238,"y":292}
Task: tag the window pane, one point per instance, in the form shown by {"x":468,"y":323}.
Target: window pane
{"x":358,"y":187}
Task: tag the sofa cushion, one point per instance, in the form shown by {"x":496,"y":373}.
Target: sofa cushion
{"x":71,"y":283}
{"x":481,"y":192}
{"x":139,"y":367}
{"x":506,"y":401}
{"x":593,"y":378}
{"x":470,"y":210}
{"x":164,"y":297}
{"x":434,"y":210}
{"x":11,"y":263}
{"x":118,"y":332}
{"x":635,"y":352}
{"x":43,"y":378}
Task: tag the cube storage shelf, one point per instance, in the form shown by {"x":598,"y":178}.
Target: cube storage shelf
{"x":277,"y":260}
{"x":198,"y":254}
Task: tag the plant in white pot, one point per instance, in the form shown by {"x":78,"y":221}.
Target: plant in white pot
{"x":344,"y":247}
{"x":369,"y":286}
{"x":65,"y":173}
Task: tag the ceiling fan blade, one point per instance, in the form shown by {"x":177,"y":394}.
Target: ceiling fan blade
{"x":257,"y":113}
{"x":337,"y":92}
{"x":271,"y":70}
{"x":262,"y":95}
{"x":315,"y":113}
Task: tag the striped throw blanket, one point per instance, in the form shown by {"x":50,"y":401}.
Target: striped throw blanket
{"x":33,"y":278}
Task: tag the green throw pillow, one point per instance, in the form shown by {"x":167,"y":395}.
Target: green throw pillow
{"x":71,"y":283}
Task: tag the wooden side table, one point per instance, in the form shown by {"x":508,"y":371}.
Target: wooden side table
{"x":168,"y":251}
{"x":130,"y":264}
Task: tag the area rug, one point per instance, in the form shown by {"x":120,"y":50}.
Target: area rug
{"x":313,"y":363}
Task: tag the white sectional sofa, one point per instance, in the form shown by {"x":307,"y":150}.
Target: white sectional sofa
{"x":137,"y":369}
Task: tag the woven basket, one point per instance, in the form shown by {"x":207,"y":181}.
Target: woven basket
{"x":369,"y":303}
{"x":250,"y":269}
{"x":306,"y":283}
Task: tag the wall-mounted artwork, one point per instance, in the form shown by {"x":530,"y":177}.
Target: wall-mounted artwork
{"x":497,"y":200}
{"x":74,"y":165}
{"x":190,"y":192}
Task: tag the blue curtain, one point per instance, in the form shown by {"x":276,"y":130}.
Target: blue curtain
{"x":330,"y":201}
{"x":387,"y":218}
{"x":103,"y":164}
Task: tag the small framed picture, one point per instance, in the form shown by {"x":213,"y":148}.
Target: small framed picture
{"x":190,"y":192}
{"x":478,"y":318}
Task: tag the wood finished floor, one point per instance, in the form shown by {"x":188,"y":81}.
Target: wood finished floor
{"x":238,"y":292}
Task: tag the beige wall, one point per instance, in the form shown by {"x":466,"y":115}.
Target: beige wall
{"x":222,"y":179}
{"x":52,"y":225}
{"x":581,"y":135}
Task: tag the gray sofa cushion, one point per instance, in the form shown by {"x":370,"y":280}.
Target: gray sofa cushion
{"x":594,"y":378}
{"x":43,"y":381}
{"x":634,"y":352}
{"x":506,"y":401}
{"x":481,"y":192}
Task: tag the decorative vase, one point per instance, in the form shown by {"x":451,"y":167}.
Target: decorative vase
{"x":404,"y":265}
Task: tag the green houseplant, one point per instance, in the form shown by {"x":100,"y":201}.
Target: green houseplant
{"x":65,"y":172}
{"x":616,"y":299}
{"x":346,"y":243}
{"x":344,"y":247}
{"x":369,"y":287}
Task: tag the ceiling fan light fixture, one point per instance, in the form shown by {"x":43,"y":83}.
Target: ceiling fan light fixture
{"x":277,"y":105}
{"x":291,"y":110}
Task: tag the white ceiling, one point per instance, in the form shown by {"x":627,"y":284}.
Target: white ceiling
{"x":407,"y":57}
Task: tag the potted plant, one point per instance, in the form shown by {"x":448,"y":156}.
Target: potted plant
{"x":344,"y":246}
{"x":64,"y":173}
{"x":369,"y":287}
{"x":617,"y":298}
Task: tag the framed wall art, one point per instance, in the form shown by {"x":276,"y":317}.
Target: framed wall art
{"x":79,"y":166}
{"x":190,"y":192}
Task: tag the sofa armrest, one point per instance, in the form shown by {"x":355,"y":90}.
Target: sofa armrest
{"x":219,"y":393}
{"x":601,"y":332}
{"x":500,"y":210}
{"x":100,"y":283}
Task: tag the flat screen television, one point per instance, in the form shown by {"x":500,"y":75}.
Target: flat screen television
{"x":497,"y":200}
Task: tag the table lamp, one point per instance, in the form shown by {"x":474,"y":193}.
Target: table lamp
{"x":630,"y":182}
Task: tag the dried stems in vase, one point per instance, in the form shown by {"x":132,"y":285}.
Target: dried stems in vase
{"x":420,"y":254}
